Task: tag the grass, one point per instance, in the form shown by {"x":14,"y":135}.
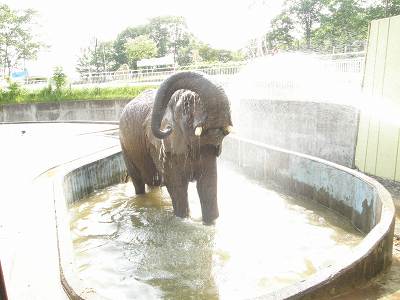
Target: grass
{"x":16,"y":94}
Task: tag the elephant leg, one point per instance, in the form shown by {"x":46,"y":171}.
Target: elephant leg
{"x":179,"y":197}
{"x":134,"y":173}
{"x":207,"y":189}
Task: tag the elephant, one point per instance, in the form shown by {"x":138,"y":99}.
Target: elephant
{"x":173,"y":135}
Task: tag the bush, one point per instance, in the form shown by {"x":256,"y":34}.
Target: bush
{"x":48,"y":94}
{"x":59,"y":78}
{"x":12,"y":93}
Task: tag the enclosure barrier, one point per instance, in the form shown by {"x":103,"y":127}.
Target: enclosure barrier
{"x":355,"y":196}
{"x":351,"y":64}
{"x":320,"y":129}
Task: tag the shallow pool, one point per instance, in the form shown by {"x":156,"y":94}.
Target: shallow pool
{"x":132,"y":247}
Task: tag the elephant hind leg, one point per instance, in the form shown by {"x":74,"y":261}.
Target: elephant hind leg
{"x":135,"y":175}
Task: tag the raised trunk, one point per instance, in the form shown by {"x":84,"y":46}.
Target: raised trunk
{"x":209,"y":93}
{"x":207,"y":186}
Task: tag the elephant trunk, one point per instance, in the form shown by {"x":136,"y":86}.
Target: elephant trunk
{"x":210,"y":94}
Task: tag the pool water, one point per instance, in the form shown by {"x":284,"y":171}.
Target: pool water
{"x":133,"y":247}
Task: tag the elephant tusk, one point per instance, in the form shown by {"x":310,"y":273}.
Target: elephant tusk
{"x":228,"y":129}
{"x":198,"y":131}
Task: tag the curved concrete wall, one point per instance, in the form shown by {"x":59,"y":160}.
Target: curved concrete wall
{"x":72,"y":182}
{"x":324,"y":130}
{"x":357,"y":197}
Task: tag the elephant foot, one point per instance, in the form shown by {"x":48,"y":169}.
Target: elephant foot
{"x":140,"y":187}
{"x":179,"y":199}
{"x":209,"y":212}
{"x":209,"y":223}
{"x":210,"y":219}
{"x":182,"y":211}
{"x":181,"y":208}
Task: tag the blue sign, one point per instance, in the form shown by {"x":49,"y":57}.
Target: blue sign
{"x":19,"y":74}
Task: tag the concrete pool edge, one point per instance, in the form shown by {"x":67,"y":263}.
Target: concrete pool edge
{"x":66,"y":187}
{"x":369,"y":258}
{"x":316,"y":179}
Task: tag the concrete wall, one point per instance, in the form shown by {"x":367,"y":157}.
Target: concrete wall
{"x":360,"y":199}
{"x":320,"y":129}
{"x":100,"y":110}
{"x":93,"y":176}
{"x":324,"y":130}
{"x":378,"y":147}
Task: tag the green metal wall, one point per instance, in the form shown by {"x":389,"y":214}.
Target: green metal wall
{"x":378,"y":144}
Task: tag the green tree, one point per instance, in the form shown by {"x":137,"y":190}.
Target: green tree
{"x":307,"y":14}
{"x":98,"y":57}
{"x":280,"y":36}
{"x":383,"y":8}
{"x":17,"y":41}
{"x":84,"y":64}
{"x":119,"y":45}
{"x":188,"y":54}
{"x":170,"y":34}
{"x":344,"y":23}
{"x":139,"y":48}
{"x":207,"y":53}
{"x":105,"y":56}
{"x":213,"y":55}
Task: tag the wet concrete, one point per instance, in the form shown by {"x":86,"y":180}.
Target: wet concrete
{"x":28,"y":241}
{"x":387,"y":285}
{"x":132,"y":246}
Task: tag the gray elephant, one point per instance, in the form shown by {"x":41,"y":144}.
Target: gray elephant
{"x":173,"y":135}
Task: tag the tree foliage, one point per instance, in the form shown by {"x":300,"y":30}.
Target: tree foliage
{"x":345,"y":23}
{"x":169,"y":35}
{"x":17,"y":41}
{"x":307,"y":14}
{"x":119,"y":45}
{"x":281,"y":35}
{"x":139,"y":48}
{"x":324,"y":25}
{"x":383,"y":8}
{"x":98,"y":57}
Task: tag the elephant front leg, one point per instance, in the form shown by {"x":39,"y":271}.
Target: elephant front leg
{"x":207,"y":189}
{"x":179,"y":197}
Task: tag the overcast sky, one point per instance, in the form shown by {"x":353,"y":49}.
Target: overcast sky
{"x":68,"y":26}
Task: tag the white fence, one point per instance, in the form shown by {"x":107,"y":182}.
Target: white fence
{"x":155,"y":75}
{"x":350,"y":65}
{"x":301,"y":77}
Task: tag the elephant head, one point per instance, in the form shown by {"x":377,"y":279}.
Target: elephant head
{"x":198,"y":109}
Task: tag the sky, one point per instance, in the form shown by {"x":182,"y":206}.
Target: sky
{"x":68,"y":26}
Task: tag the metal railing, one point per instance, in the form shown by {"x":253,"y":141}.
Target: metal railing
{"x":350,"y":65}
{"x":347,"y":65}
{"x":155,"y":75}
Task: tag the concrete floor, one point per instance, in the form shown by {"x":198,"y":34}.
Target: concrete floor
{"x":28,"y":249}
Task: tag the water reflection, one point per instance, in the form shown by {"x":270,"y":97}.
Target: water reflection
{"x":132,"y":247}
